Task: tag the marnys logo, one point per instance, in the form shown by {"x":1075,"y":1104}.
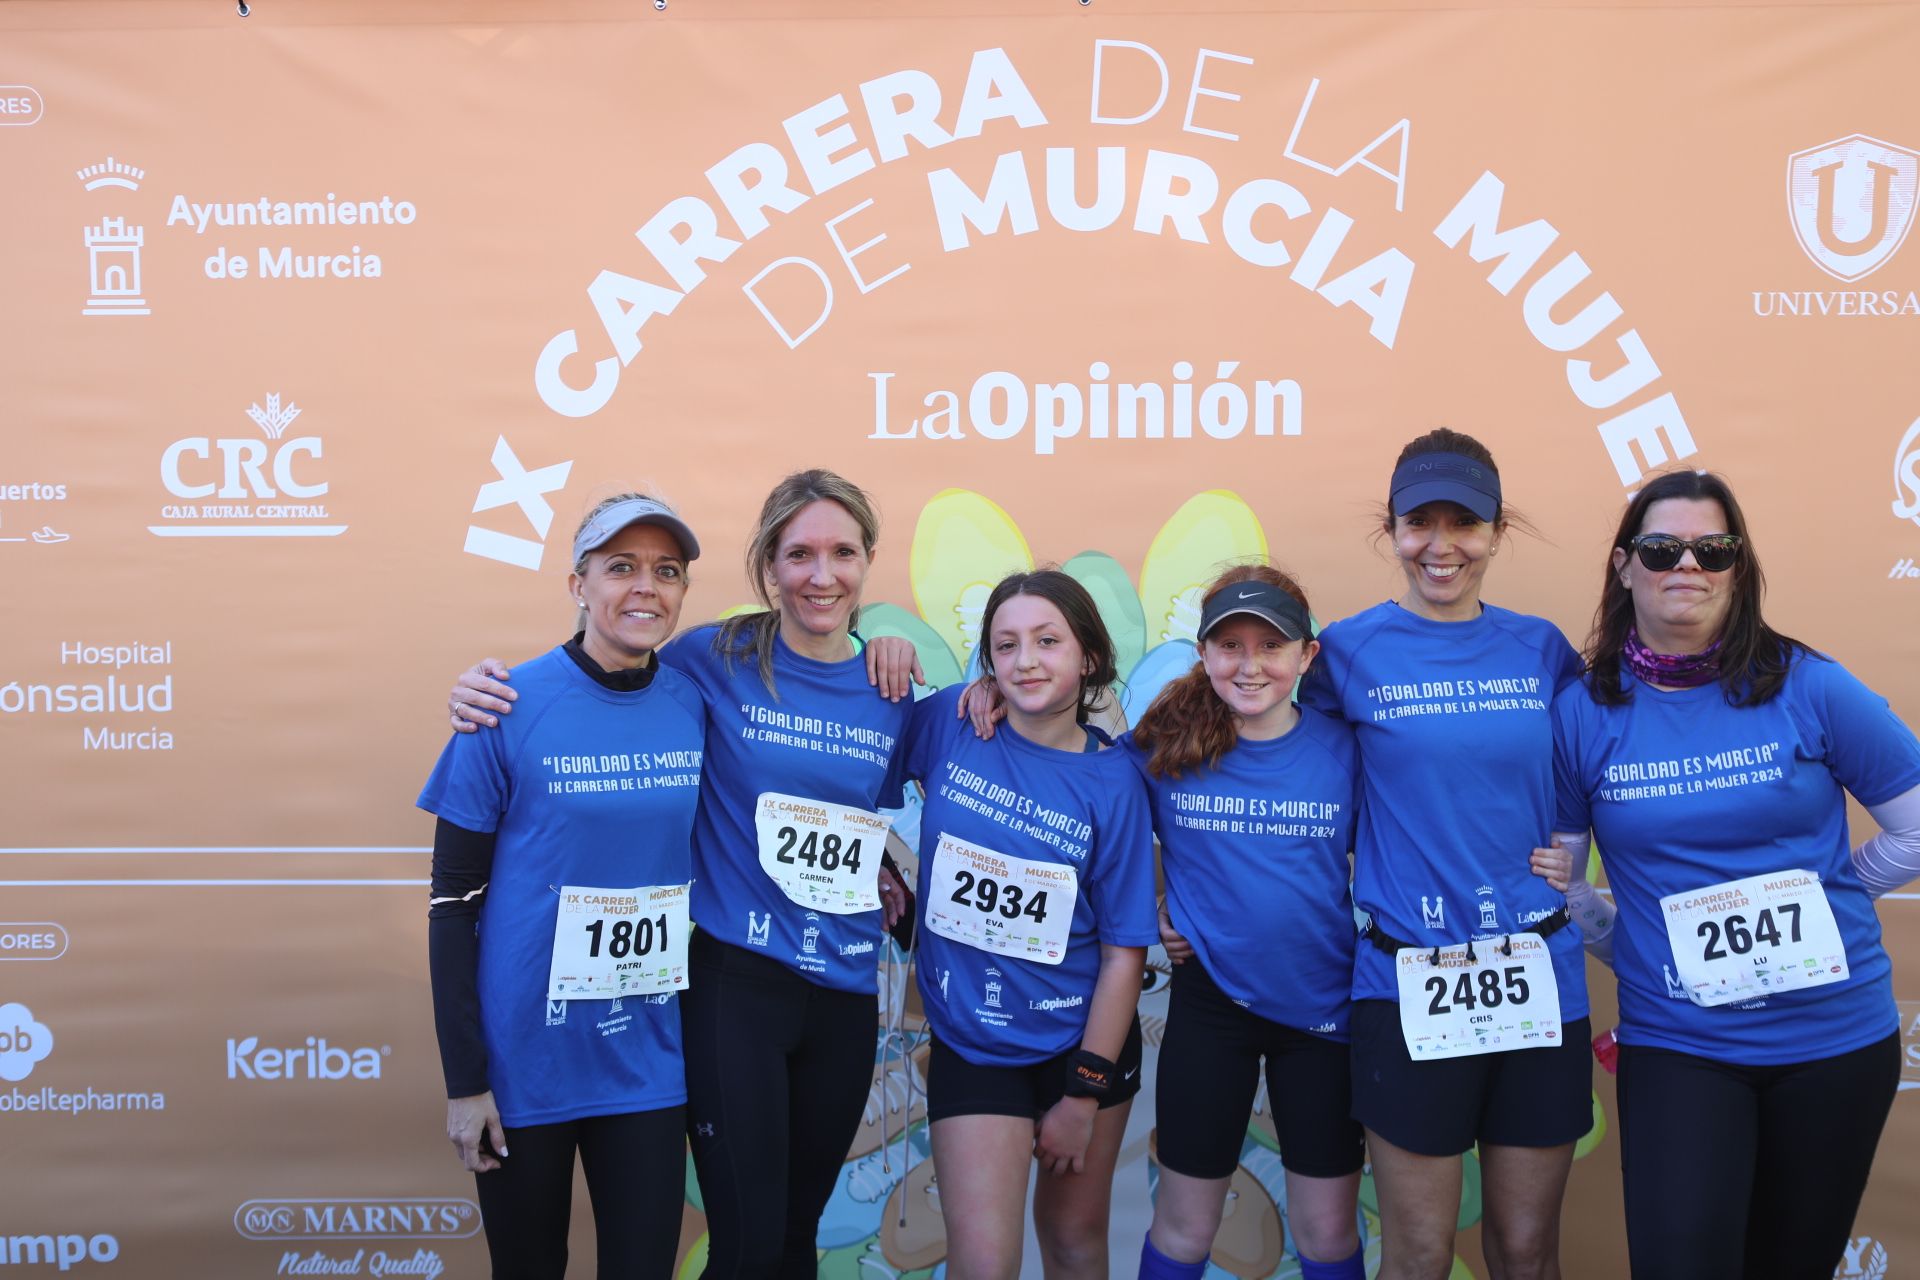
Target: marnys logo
{"x":23,"y":1042}
{"x":357,"y":1218}
{"x":253,"y":471}
{"x":316,"y":1060}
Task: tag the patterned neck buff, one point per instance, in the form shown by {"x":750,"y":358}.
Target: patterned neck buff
{"x":1671,"y":670}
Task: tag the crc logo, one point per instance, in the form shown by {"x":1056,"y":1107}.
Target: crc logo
{"x":358,"y":1218}
{"x":246,"y":486}
{"x":1864,"y":1258}
{"x":1851,"y":202}
{"x":23,"y":1042}
{"x":315,"y":1060}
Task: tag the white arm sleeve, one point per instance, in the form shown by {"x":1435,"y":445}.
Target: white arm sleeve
{"x":1892,"y":858}
{"x":1593,"y":913}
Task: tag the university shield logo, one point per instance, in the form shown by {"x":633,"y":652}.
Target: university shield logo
{"x":1851,"y":202}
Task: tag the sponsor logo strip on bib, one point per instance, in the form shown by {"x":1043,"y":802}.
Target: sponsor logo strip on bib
{"x":826,"y":857}
{"x":1746,"y":939}
{"x":1478,"y":998}
{"x":619,"y":942}
{"x":999,"y":903}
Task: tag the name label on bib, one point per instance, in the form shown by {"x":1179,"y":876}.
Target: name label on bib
{"x":1478,"y":998}
{"x":1745,"y":939}
{"x":826,"y":857}
{"x":619,"y":942}
{"x":996,"y":902}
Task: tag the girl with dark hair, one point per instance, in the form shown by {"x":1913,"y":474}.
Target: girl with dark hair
{"x":1254,"y":801}
{"x":1036,"y":891}
{"x":1712,"y":756}
{"x":780,"y":1014}
{"x":1469,"y":1024}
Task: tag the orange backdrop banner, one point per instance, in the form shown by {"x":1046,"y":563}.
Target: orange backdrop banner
{"x":322,"y":327}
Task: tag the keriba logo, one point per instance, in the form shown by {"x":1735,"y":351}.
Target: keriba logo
{"x":315,"y":1060}
{"x":1851,"y":201}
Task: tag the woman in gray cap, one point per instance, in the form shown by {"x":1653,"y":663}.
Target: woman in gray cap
{"x":558,"y":922}
{"x":780,"y":1016}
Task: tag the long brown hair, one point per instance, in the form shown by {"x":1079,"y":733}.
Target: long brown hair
{"x":1754,"y":658}
{"x":750,"y":635}
{"x":1188,"y":725}
{"x":1082,"y":616}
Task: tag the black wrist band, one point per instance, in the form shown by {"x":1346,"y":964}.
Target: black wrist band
{"x":1089,"y":1075}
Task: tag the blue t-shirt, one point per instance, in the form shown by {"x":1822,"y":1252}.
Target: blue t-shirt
{"x":1085,"y":810}
{"x":1255,"y":858}
{"x":585,"y":786}
{"x":1683,"y":791}
{"x":828,"y":736}
{"x":1456,"y":755}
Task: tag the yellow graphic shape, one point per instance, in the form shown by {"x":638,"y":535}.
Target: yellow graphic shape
{"x":1596,"y":1135}
{"x":1119,"y":606}
{"x":1210,"y":531}
{"x":963,"y":544}
{"x":734,"y":611}
{"x":695,"y":1262}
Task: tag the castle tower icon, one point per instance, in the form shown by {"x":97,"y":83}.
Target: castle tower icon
{"x":113,"y":263}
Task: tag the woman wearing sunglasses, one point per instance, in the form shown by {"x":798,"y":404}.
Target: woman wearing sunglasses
{"x":1711,"y":757}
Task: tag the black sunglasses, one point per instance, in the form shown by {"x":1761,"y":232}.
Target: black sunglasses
{"x":1715,"y":552}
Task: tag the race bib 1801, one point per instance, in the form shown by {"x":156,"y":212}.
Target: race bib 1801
{"x":999,"y":903}
{"x":619,"y":942}
{"x":826,"y":857}
{"x":1744,"y":939}
{"x":1478,"y":998}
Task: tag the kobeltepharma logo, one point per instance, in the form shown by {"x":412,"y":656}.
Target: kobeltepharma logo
{"x":1864,"y":1258}
{"x":26,"y":1042}
{"x":1851,"y":203}
{"x":311,"y":1059}
{"x":358,"y":1218}
{"x":245,"y":486}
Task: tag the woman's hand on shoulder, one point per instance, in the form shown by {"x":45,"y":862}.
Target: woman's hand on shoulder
{"x":893,"y":667}
{"x":480,"y":696}
{"x":981,"y":703}
{"x":473,"y":1127}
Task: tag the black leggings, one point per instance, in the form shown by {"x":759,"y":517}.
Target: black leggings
{"x":1750,"y":1172}
{"x":778,"y":1070}
{"x":636,"y":1167}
